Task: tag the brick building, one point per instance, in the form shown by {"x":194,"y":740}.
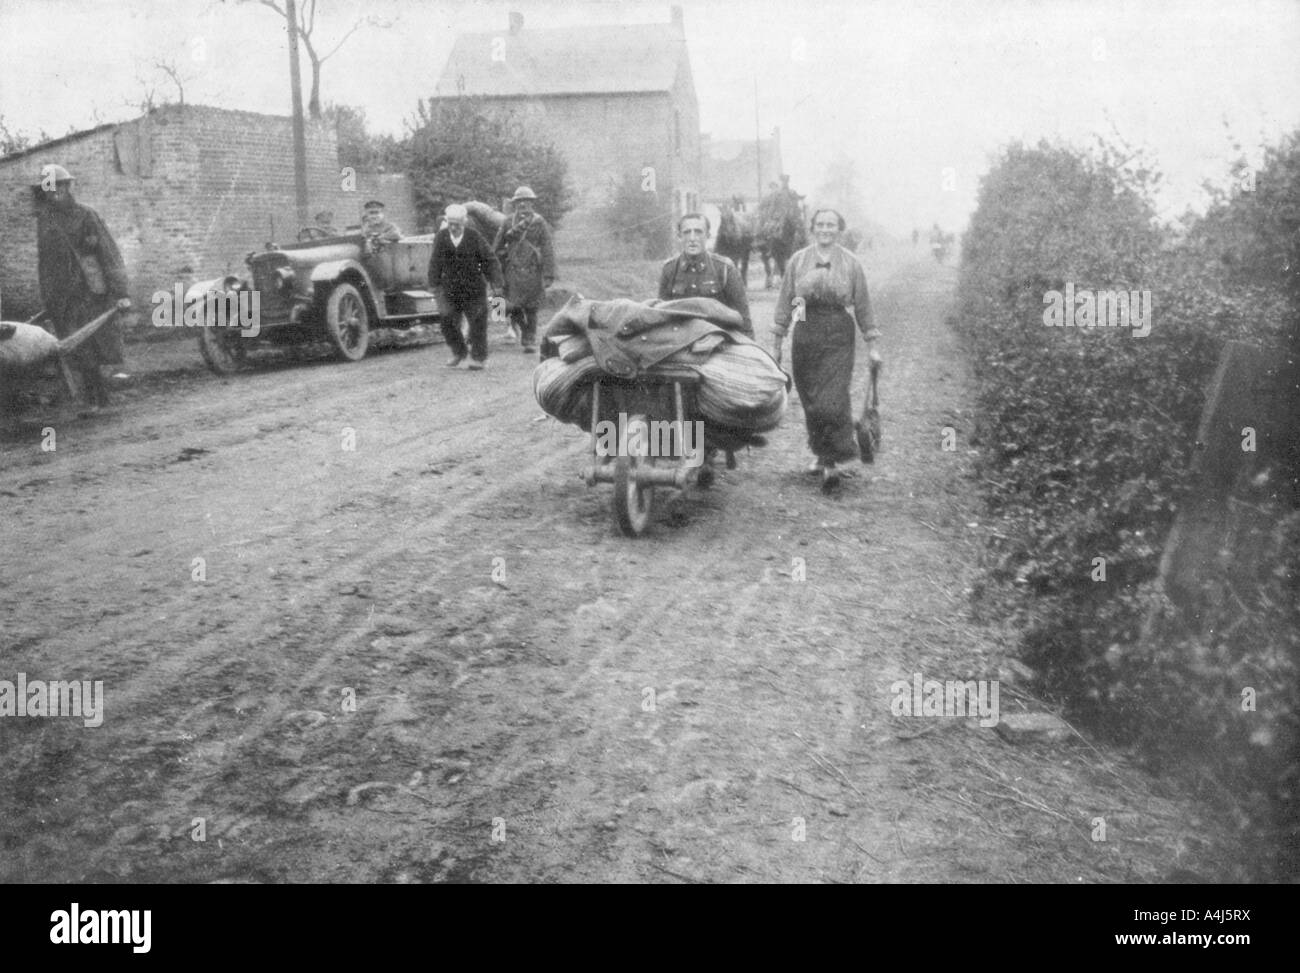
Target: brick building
{"x":187,"y":191}
{"x":613,"y":99}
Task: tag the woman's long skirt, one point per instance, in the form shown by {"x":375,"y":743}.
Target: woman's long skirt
{"x":821,"y":358}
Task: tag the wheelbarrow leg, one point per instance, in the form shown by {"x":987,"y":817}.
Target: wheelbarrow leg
{"x":72,"y":381}
{"x":595,"y":419}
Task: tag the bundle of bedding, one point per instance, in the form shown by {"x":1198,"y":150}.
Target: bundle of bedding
{"x":23,"y":346}
{"x":742,"y":389}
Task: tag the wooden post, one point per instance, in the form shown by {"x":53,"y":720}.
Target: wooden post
{"x":758,"y":149}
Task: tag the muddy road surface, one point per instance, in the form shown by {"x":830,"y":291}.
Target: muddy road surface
{"x":364,"y":623}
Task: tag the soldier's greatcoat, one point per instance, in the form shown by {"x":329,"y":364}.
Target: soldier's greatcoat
{"x":527,"y":258}
{"x":81,"y":276}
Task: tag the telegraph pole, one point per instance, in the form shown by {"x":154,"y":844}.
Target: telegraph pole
{"x":299,"y":136}
{"x":758,"y":149}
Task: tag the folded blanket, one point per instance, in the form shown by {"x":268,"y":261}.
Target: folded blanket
{"x":742,"y":387}
{"x":630,"y":338}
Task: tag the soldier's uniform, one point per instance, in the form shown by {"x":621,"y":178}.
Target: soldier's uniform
{"x":383,"y":231}
{"x":81,"y":276}
{"x":526,"y":250}
{"x":706,"y":275}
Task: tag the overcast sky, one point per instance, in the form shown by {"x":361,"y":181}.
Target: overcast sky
{"x":906,"y":89}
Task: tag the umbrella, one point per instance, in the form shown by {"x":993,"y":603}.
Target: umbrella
{"x":868,"y":425}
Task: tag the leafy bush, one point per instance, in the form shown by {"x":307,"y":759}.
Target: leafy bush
{"x":1088,"y":436}
{"x":358,"y":148}
{"x":480,"y":151}
{"x":640,"y":218}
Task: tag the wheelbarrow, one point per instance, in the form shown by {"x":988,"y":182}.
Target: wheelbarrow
{"x":637,"y":408}
{"x":26,"y":347}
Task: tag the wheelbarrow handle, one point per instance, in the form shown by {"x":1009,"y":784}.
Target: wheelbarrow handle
{"x":87,"y":331}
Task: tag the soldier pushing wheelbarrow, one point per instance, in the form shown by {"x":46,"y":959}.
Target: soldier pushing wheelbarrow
{"x":82,"y":278}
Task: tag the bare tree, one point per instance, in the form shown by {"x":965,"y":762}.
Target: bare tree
{"x":306,"y":27}
{"x":149,"y":76}
{"x":169,"y":68}
{"x":12,"y":140}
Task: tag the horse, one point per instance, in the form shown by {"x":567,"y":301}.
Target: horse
{"x":735,"y":235}
{"x":781,"y":231}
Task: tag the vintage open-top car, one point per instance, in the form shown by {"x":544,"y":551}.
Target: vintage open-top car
{"x":332,"y":288}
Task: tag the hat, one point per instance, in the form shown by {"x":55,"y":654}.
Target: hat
{"x":523,"y":192}
{"x":372,"y":204}
{"x":52,"y":174}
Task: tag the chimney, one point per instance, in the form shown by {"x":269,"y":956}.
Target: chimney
{"x":678,"y":21}
{"x":516,"y":22}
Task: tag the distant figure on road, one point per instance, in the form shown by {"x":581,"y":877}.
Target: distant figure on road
{"x":939,"y":243}
{"x":916,"y":236}
{"x":697,"y":273}
{"x":461,"y":269}
{"x":527,"y":255}
{"x":824,"y":281}
{"x":81,"y":276}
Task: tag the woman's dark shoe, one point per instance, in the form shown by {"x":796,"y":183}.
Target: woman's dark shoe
{"x":830,"y":478}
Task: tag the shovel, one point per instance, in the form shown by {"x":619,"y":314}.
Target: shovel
{"x":868,"y":425}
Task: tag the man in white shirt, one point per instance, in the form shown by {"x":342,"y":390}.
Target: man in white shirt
{"x":461,"y":269}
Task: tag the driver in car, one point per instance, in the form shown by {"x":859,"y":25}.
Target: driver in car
{"x":325,"y":222}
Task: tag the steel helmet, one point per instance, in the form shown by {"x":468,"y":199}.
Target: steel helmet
{"x":51,"y":175}
{"x":523,"y":192}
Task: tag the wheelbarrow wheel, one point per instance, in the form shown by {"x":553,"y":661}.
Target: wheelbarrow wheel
{"x":632,"y":500}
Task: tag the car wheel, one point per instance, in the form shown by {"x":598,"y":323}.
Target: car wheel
{"x":223,"y":349}
{"x":347,"y":321}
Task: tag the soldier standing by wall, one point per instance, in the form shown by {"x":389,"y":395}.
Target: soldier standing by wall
{"x":527,"y":255}
{"x":81,"y":276}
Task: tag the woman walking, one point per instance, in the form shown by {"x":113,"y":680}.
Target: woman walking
{"x":822,"y":284}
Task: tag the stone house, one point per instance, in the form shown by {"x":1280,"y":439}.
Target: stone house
{"x":615,"y":100}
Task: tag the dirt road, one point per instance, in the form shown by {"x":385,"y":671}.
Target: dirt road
{"x":536,"y":697}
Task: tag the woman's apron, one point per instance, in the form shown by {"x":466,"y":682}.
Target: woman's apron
{"x":821,"y":360}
